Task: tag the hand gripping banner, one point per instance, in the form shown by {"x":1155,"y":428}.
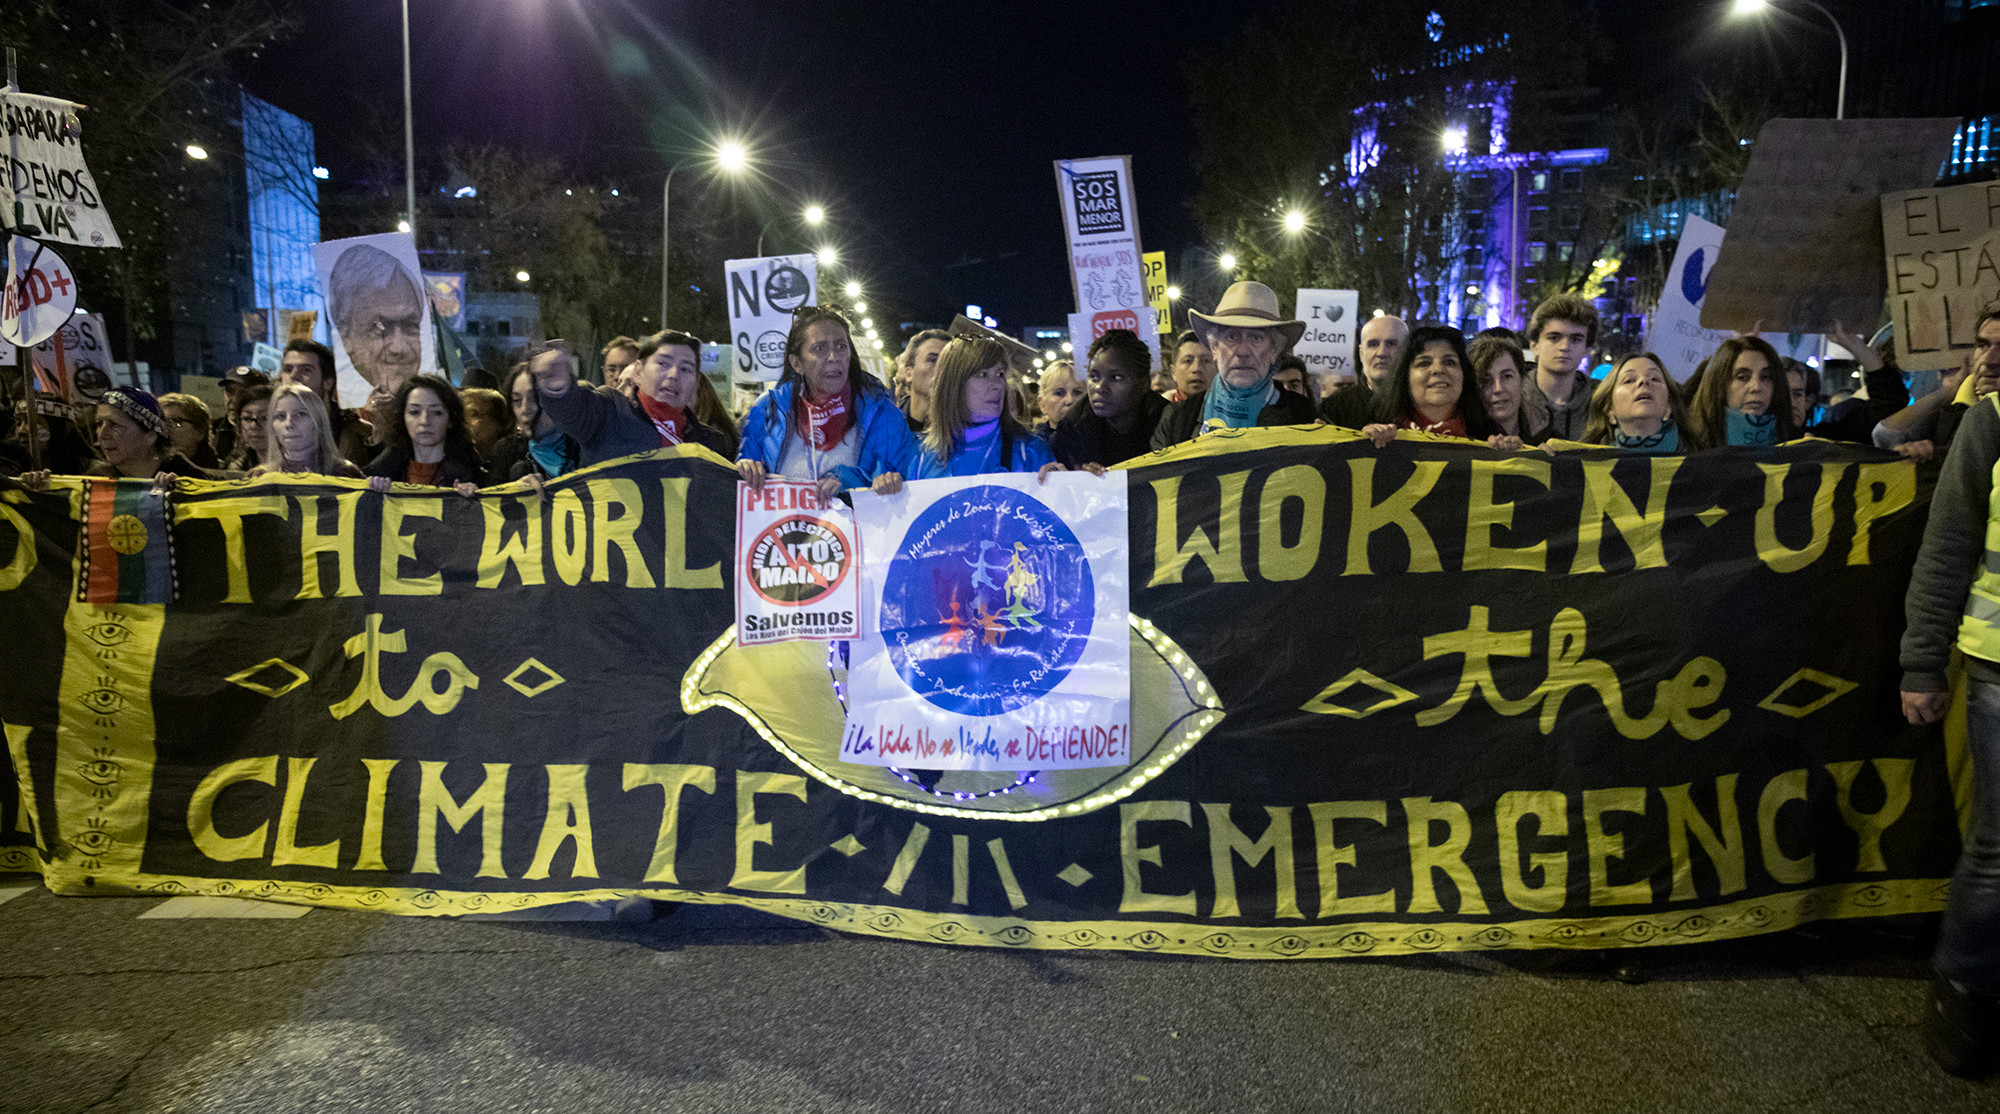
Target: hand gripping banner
{"x":1427,"y":697}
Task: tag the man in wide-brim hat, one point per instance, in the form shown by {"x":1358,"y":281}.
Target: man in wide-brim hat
{"x":1248,"y":335}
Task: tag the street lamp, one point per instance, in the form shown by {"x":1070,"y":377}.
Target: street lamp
{"x":815,"y":215}
{"x":409,"y":130}
{"x":827,"y":256}
{"x":1173,"y":293}
{"x":731,"y":157}
{"x":853,"y":289}
{"x":1756,"y":7}
{"x":1295,"y":222}
{"x":1227,"y":260}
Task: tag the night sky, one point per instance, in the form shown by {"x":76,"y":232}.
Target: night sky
{"x":927,"y":130}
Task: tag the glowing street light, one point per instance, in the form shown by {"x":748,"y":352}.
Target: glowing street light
{"x":732,"y":158}
{"x":1454,"y":140}
{"x":827,"y":256}
{"x":731,"y":155}
{"x":1173,"y":293}
{"x":197,"y":152}
{"x":1295,"y":222}
{"x":1757,"y":7}
{"x":1227,"y":260}
{"x":867,"y":322}
{"x":1048,"y":353}
{"x":861,"y":307}
{"x":815,"y":214}
{"x":853,"y":289}
{"x":1068,"y":348}
{"x":402,"y":226}
{"x":521,"y":276}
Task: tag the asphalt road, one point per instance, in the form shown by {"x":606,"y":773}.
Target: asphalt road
{"x":715,"y":1009}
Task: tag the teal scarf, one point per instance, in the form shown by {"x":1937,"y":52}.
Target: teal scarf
{"x":1227,"y":407}
{"x":1751,"y":429}
{"x":1666,"y":441}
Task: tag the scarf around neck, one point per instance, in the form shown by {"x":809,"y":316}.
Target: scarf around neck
{"x":551,"y":452}
{"x":824,"y":424}
{"x":1667,"y":440}
{"x":1751,"y":429}
{"x":1230,"y":407}
{"x":671,"y":421}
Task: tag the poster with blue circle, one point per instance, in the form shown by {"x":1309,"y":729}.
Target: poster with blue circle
{"x":994,"y":628}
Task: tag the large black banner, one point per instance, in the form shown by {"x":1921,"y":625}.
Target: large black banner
{"x":1418,"y":698}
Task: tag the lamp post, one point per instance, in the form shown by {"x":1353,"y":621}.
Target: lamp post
{"x":409,"y":131}
{"x":814,"y":215}
{"x":1752,"y":7}
{"x":730,"y":156}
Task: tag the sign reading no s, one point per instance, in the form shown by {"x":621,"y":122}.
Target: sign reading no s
{"x":764,"y":294}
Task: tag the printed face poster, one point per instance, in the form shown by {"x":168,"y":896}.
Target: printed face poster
{"x":797,"y":566}
{"x":994,"y":626}
{"x":381,"y":320}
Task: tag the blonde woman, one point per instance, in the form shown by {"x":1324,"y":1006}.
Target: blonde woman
{"x":300,"y":436}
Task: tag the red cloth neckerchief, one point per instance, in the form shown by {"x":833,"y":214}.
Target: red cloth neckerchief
{"x":671,"y":421}
{"x":1453,"y":426}
{"x":824,"y":424}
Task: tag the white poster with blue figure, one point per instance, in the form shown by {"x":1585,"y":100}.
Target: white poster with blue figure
{"x":994,"y":616}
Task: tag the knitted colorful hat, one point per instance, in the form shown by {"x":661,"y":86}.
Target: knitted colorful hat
{"x":139,"y":406}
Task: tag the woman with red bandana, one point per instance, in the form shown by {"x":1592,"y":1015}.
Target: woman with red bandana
{"x":827,"y":420}
{"x":605,"y":424}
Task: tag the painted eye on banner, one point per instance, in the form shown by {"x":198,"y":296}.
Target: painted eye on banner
{"x":108,"y":634}
{"x":105,"y":702}
{"x":101,"y":772}
{"x":93,"y":841}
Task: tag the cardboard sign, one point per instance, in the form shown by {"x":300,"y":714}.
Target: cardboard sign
{"x":48,"y":187}
{"x":40,"y":293}
{"x":1804,"y":246}
{"x":1674,"y":332}
{"x":1154,"y":266}
{"x":382,"y":333}
{"x":1942,"y":247}
{"x":299,"y":323}
{"x":75,"y":363}
{"x":798,"y":567}
{"x":1085,"y":328}
{"x":1332,"y":318}
{"x":764,"y":293}
{"x":995,"y":627}
{"x":1102,"y":219}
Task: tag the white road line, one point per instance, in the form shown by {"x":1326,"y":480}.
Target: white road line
{"x":222,"y":908}
{"x":9,"y":893}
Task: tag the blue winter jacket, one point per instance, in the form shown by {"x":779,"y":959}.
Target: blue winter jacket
{"x":1027,"y":452}
{"x":886,"y":444}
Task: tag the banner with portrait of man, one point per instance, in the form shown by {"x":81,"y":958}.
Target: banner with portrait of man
{"x":381,"y":321}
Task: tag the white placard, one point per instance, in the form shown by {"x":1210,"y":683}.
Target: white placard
{"x":1674,"y":331}
{"x":763,"y":295}
{"x":994,"y":619}
{"x":1101,"y":218}
{"x":798,"y":567}
{"x":46,"y":173}
{"x":1331,"y":318}
{"x":1085,"y":328}
{"x":379,"y":318}
{"x":40,"y":293}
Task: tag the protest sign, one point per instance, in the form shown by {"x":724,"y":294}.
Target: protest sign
{"x":1154,"y":263}
{"x":1102,"y":219}
{"x":1674,"y":332}
{"x":381,"y":321}
{"x":40,"y":293}
{"x":47,"y":186}
{"x":1805,"y":234}
{"x":1331,"y":317}
{"x":447,"y":294}
{"x":1942,"y":248}
{"x":266,"y":358}
{"x":75,"y":363}
{"x":798,"y":572}
{"x":1353,"y":734}
{"x":1085,"y":328}
{"x":298,"y":324}
{"x":993,"y":626}
{"x":256,"y":325}
{"x":763,"y":295}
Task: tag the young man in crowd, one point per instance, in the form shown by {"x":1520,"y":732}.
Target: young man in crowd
{"x":1194,"y":367}
{"x":310,"y":364}
{"x":1293,"y":376}
{"x":1375,"y":350}
{"x":1561,"y":335}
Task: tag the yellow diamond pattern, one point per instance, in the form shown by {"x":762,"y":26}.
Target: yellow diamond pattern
{"x":242,"y":677}
{"x":550,"y":679}
{"x":1835,"y":689}
{"x":1392,"y":695}
{"x":1711,"y":516}
{"x":1074,"y":874}
{"x":849,"y":846}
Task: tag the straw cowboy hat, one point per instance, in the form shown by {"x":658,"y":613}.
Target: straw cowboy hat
{"x":1250,"y":305}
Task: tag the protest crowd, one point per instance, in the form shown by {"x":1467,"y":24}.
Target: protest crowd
{"x":963,"y":405}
